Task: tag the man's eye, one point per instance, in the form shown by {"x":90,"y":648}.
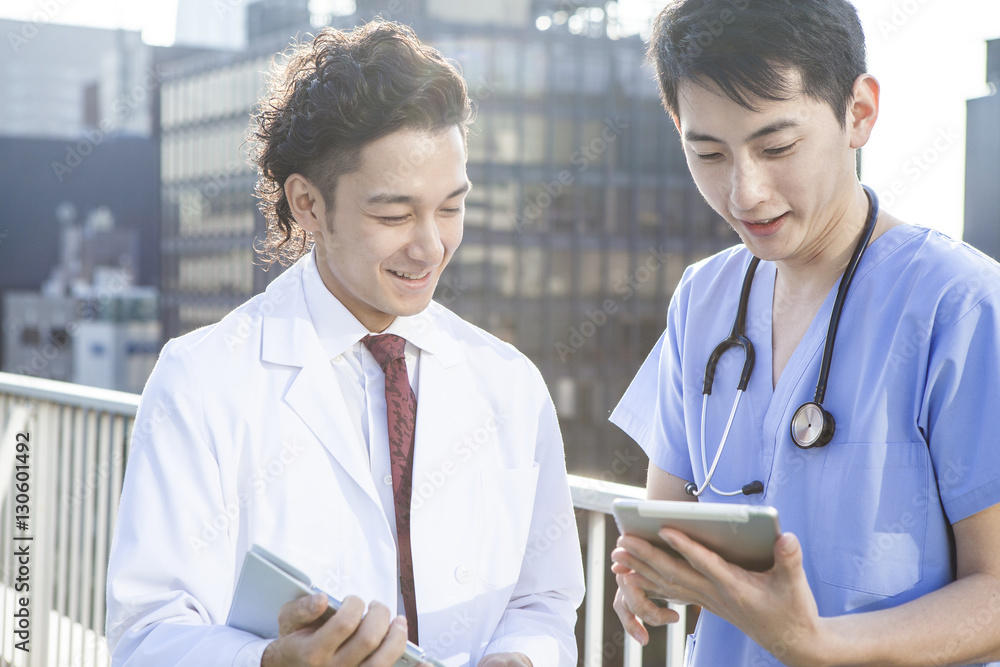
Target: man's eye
{"x":774,"y":152}
{"x":395,"y":220}
{"x":708,"y":157}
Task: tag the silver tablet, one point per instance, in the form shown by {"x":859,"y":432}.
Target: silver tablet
{"x":742,"y":534}
{"x":267,"y":582}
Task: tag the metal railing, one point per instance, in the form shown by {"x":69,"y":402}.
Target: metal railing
{"x":62,"y":461}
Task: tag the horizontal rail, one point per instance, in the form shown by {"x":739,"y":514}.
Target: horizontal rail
{"x":597,"y":495}
{"x":70,"y":394}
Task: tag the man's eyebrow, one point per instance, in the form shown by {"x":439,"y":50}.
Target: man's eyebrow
{"x":776,"y":126}
{"x":389,"y":198}
{"x":700,"y":136}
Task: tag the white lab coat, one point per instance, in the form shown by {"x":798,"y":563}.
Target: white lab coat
{"x":240,"y":438}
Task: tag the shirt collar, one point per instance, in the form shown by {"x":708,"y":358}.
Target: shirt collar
{"x":338,"y":329}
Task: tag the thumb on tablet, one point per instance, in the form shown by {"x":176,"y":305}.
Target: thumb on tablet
{"x":788,"y":552}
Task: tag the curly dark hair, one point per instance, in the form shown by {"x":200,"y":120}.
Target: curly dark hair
{"x":746,"y":47}
{"x":329,"y":97}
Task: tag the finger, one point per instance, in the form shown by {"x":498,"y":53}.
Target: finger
{"x":341,"y":626}
{"x":701,"y":559}
{"x":392,"y":645}
{"x":664,"y":571}
{"x":368,"y":636}
{"x":300,"y":613}
{"x":788,"y":554}
{"x":619,"y":568}
{"x":640,"y":601}
{"x":629,"y":622}
{"x":649,"y":602}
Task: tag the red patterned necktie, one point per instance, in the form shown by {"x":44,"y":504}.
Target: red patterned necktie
{"x":401,"y":419}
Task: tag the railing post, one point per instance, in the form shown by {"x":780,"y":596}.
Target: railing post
{"x":677,"y":637}
{"x":45,"y":434}
{"x":633,"y":652}
{"x":593,"y":637}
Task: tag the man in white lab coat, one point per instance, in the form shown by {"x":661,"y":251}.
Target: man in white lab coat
{"x":270,"y":427}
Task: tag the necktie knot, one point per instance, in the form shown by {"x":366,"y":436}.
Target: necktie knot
{"x":386,"y":348}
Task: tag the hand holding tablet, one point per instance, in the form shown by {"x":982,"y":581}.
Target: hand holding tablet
{"x":742,"y":534}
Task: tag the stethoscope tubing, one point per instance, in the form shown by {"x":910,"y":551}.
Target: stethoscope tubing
{"x":722,"y":444}
{"x":738,"y":338}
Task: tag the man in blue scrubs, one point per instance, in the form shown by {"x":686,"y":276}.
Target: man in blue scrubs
{"x":893,"y":528}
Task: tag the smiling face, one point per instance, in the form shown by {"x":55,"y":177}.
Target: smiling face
{"x":782,"y":176}
{"x":394,"y":224}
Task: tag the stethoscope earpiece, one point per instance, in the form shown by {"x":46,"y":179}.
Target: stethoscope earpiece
{"x":812,"y":426}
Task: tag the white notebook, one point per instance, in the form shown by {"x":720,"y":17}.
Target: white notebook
{"x":267,"y":583}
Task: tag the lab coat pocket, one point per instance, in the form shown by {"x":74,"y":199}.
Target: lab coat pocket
{"x":869,"y":524}
{"x":508,"y":504}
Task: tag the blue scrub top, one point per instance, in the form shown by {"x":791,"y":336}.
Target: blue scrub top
{"x":914,"y":389}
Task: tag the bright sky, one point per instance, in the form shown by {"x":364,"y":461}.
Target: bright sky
{"x":930,"y":56}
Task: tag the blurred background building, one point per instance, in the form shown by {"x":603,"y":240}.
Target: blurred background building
{"x":581,"y":222}
{"x":982,"y":162}
{"x":582,"y":217}
{"x":80,"y":185}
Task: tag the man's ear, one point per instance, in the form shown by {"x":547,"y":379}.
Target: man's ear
{"x":306,"y":203}
{"x":862,"y":111}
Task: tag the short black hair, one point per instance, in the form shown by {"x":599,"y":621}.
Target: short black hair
{"x":747,"y":48}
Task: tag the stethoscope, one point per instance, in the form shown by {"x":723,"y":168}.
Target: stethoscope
{"x":811,"y":426}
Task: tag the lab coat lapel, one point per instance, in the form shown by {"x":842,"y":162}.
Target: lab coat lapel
{"x":289,"y":338}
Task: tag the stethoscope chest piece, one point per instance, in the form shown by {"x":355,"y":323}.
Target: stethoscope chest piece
{"x":812,"y":426}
